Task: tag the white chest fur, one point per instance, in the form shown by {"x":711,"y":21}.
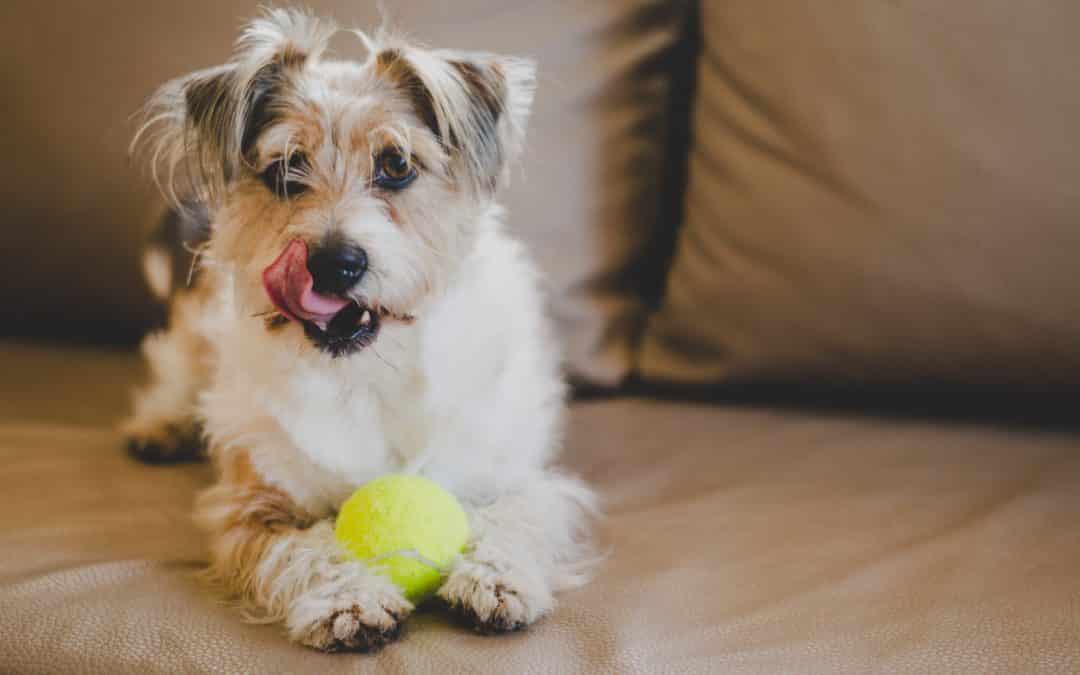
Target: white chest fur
{"x":315,"y":426}
{"x":357,"y":419}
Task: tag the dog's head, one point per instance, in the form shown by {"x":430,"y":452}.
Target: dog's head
{"x":343,"y":194}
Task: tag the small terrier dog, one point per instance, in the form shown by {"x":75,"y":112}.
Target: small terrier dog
{"x":358,"y":310}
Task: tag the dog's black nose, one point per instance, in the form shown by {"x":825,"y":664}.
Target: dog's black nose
{"x":336,"y":268}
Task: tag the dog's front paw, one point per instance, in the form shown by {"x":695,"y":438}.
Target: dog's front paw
{"x":494,"y":599}
{"x":164,"y":443}
{"x":363,"y":615}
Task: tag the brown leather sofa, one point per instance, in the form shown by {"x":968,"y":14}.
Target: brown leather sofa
{"x":815,"y":269}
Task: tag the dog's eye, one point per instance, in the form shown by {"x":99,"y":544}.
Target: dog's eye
{"x":285,"y":177}
{"x":393,"y":171}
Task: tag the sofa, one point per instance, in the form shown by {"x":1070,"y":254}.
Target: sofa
{"x":814,"y":272}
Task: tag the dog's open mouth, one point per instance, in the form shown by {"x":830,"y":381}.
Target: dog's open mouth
{"x":336,"y":325}
{"x":351,"y":329}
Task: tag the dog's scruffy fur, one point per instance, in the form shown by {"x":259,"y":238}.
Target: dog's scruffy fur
{"x":461,"y":382}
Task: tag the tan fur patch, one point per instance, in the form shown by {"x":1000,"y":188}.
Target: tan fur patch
{"x":275,"y":322}
{"x":245,"y":518}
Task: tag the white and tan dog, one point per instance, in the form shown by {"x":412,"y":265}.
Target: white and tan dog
{"x":359,"y":311}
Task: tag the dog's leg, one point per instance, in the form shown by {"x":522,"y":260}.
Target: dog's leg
{"x":527,"y":545}
{"x":164,"y":427}
{"x":287,"y":566}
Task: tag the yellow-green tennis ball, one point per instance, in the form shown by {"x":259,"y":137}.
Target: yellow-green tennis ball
{"x":406,"y":527}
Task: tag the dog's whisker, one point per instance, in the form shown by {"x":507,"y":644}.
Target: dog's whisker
{"x":197,"y":255}
{"x":431,"y":249}
{"x":388,"y":364}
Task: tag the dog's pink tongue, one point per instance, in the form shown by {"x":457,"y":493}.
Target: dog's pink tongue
{"x":290,"y":287}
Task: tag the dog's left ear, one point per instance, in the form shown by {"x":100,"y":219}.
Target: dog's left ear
{"x":476,"y":104}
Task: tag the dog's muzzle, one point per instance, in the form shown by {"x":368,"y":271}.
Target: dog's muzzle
{"x":311,"y":289}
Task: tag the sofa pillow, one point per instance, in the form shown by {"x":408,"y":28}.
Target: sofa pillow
{"x":585,"y":197}
{"x":880,"y":192}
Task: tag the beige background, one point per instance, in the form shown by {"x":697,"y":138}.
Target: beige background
{"x":883,"y":192}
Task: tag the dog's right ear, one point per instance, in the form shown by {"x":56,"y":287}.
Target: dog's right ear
{"x":476,"y":104}
{"x":201,"y":128}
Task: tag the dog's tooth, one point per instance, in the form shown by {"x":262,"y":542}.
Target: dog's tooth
{"x":365,"y":318}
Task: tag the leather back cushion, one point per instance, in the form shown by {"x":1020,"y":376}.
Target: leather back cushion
{"x":586,"y":197}
{"x":879,"y":192}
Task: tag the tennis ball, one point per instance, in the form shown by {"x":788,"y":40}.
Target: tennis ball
{"x":405,"y":527}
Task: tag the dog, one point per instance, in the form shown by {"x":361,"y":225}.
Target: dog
{"x":357,"y":310}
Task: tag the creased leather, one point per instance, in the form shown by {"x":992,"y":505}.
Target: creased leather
{"x":742,"y":539}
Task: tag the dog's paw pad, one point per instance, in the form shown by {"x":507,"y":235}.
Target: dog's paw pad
{"x":354,"y":630}
{"x":168,"y":444}
{"x":506,"y":617}
{"x":361,"y":619}
{"x":494,"y":603}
